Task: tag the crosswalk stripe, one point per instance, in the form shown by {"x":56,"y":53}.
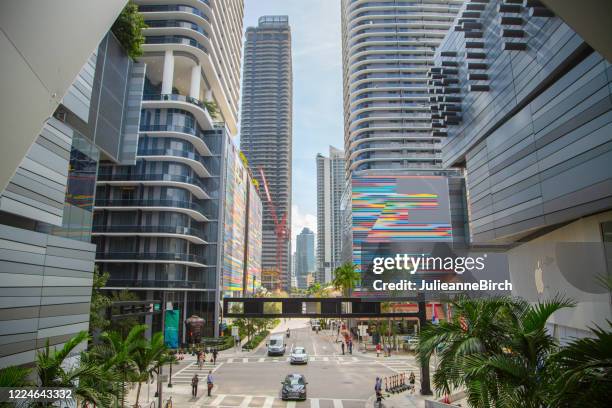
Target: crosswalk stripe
{"x":230,"y":360}
{"x":217,"y":400}
{"x":355,"y":359}
{"x":291,"y":404}
{"x":245,"y":360}
{"x":245,"y":403}
{"x":261,"y":360}
{"x":337,"y":403}
{"x":325,"y":358}
{"x":268,"y":403}
{"x":313,"y":358}
{"x":314,"y":403}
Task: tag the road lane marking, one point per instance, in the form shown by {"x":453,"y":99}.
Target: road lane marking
{"x":314,"y":403}
{"x":314,"y":346}
{"x":245,"y":360}
{"x":261,"y":359}
{"x":230,"y":360}
{"x":337,"y":403}
{"x":290,"y":404}
{"x":217,"y":400}
{"x":325,"y":358}
{"x":268,"y":403}
{"x":245,"y":403}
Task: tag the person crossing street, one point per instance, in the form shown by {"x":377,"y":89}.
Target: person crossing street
{"x":209,"y":382}
{"x":194,"y":386}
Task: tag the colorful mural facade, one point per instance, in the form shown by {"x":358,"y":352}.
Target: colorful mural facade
{"x":399,"y":208}
{"x":241,"y":242}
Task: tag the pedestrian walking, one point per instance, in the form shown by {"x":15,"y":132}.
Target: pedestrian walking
{"x":378,"y":350}
{"x":214,"y":353}
{"x":194,"y":386}
{"x":378,"y":390}
{"x":388,"y":350}
{"x":238,"y":341}
{"x":350,"y":346}
{"x":411,"y":380}
{"x":200,"y":360}
{"x":209,"y":382}
{"x":342,"y":348}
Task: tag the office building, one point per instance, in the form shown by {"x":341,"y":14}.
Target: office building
{"x":330,"y":183}
{"x":304,"y":256}
{"x":387,"y":49}
{"x":51,"y":145}
{"x":159,"y":223}
{"x":265,"y":137}
{"x":526,"y":106}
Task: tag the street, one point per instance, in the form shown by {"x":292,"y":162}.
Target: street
{"x":252,"y":379}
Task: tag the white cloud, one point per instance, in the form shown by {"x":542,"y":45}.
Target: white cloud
{"x":300,"y":220}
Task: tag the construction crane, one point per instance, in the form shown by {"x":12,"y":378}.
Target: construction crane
{"x":281,"y":230}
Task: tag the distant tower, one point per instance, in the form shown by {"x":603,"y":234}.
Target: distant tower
{"x":330,"y":182}
{"x":265,"y":130}
{"x":304,"y":257}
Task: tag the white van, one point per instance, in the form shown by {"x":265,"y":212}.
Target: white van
{"x":276,"y":345}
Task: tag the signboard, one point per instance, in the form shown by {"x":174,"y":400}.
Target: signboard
{"x":234,"y":331}
{"x":171,"y":337}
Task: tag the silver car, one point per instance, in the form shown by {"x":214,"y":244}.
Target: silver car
{"x":298,"y":356}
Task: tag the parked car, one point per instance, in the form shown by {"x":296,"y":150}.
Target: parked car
{"x":294,"y":387}
{"x":298,"y":356}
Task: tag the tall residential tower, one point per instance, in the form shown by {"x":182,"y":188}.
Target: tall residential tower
{"x":330,"y":183}
{"x":387,"y":48}
{"x":265,"y":136}
{"x":159,"y":224}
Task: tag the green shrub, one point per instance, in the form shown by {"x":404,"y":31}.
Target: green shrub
{"x":128,"y":30}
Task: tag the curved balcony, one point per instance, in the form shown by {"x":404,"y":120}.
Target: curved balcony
{"x":151,"y":257}
{"x":194,"y":210}
{"x":170,"y":9}
{"x":194,"y":185}
{"x":169,"y":101}
{"x":189,"y":134}
{"x":193,"y":235}
{"x":176,"y":24}
{"x":152,"y":284}
{"x":191,"y":159}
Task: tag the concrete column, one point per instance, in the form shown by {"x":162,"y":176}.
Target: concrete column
{"x":196,"y":75}
{"x":168,"y":73}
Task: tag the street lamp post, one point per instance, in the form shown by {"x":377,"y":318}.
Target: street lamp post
{"x":161,"y":367}
{"x":170,"y":378}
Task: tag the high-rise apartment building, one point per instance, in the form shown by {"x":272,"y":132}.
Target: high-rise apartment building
{"x":330,"y":184}
{"x":265,"y":136}
{"x":46,"y":199}
{"x":159,"y":224}
{"x":387,"y":49}
{"x":304,"y":256}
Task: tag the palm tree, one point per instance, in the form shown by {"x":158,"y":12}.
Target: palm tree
{"x":497,"y":348}
{"x":148,"y":360}
{"x":52,"y":372}
{"x":345,"y":278}
{"x":584,"y":370}
{"x":118,"y":353}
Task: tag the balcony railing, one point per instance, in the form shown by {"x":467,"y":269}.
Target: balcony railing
{"x":100,"y":202}
{"x":174,"y":39}
{"x":174,"y":97}
{"x":171,"y":7}
{"x":137,"y":283}
{"x":150,"y":256}
{"x":150,"y":229}
{"x":174,"y":153}
{"x":175,"y":24}
{"x":152,"y":177}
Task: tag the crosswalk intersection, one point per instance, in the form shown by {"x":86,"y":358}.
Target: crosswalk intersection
{"x":269,"y":401}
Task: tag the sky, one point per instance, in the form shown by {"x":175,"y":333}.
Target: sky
{"x":317,"y":92}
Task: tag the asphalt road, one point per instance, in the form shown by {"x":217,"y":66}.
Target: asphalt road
{"x":334,"y":381}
